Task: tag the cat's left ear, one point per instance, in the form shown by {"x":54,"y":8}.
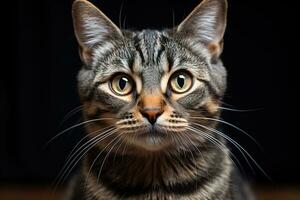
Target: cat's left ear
{"x":92,"y":28}
{"x":206,"y":24}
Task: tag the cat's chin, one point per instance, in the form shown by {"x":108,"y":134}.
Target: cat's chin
{"x":151,"y":141}
{"x":152,"y":138}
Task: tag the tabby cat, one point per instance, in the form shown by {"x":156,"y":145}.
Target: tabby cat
{"x":151,"y":102}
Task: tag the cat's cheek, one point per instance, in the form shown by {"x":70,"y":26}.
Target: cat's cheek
{"x":212,"y":106}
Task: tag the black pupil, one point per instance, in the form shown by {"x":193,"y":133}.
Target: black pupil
{"x":180,"y":80}
{"x":122,"y":83}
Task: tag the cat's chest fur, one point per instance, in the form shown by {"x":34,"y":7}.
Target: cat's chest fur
{"x":185,"y":176}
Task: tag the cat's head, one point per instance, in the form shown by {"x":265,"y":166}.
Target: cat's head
{"x":151,"y":90}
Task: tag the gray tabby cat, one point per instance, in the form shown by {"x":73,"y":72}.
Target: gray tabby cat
{"x":151,"y":103}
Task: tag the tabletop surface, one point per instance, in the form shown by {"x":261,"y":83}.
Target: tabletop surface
{"x":29,"y":193}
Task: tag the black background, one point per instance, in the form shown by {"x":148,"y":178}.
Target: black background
{"x":38,"y":83}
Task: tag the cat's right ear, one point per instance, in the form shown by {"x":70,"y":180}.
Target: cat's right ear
{"x":206,"y":24}
{"x":91,"y":28}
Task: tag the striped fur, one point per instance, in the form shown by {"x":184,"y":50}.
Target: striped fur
{"x":179,"y":154}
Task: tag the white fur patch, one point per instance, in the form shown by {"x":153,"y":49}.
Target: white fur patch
{"x":94,"y":30}
{"x":206,"y":25}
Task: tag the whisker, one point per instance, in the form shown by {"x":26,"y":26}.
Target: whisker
{"x":221,"y":146}
{"x":118,"y":150}
{"x":180,"y":142}
{"x":124,"y":22}
{"x":119,"y":139}
{"x":227,"y":104}
{"x":187,"y":135}
{"x":135,"y":133}
{"x":179,"y":139}
{"x":195,"y":163}
{"x":72,"y":112}
{"x":240,"y":110}
{"x":89,"y":135}
{"x":239,"y":147}
{"x":229,"y":140}
{"x":173,"y":19}
{"x":94,"y":161}
{"x":120,"y":16}
{"x":124,"y":149}
{"x":86,"y":149}
{"x":231,"y":125}
{"x":73,"y":160}
{"x":75,"y":126}
{"x":196,"y":148}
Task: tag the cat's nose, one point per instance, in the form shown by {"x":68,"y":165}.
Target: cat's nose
{"x":151,"y":114}
{"x":151,"y":107}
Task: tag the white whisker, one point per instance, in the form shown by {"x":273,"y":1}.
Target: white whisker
{"x":239,"y":110}
{"x":72,"y":112}
{"x":89,"y":135}
{"x":238,"y":146}
{"x":100,"y":170}
{"x":93,"y":163}
{"x":74,"y":159}
{"x":221,"y":146}
{"x":231,"y":125}
{"x":74,"y":126}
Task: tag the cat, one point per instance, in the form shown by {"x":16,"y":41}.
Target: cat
{"x":151,"y":102}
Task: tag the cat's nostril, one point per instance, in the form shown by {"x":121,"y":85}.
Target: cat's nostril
{"x":151,"y":114}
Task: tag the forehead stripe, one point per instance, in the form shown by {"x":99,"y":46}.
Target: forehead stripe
{"x":162,"y":48}
{"x":136,"y":41}
{"x":150,"y":46}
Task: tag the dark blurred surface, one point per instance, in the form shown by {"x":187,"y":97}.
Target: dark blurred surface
{"x":38,"y":193}
{"x":38,"y":86}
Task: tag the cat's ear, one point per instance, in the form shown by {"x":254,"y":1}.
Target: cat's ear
{"x":91,"y":28}
{"x":206,"y":24}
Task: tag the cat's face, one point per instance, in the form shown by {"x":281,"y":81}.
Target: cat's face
{"x":149,"y":89}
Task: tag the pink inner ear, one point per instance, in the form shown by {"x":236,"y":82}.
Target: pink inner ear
{"x":214,"y":48}
{"x":85,"y":55}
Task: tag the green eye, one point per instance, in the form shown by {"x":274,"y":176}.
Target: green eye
{"x":181,"y":81}
{"x":122,"y":84}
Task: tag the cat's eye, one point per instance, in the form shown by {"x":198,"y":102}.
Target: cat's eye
{"x":181,"y":81}
{"x":122,"y":84}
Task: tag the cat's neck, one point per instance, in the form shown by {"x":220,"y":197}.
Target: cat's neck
{"x":176,"y":175}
